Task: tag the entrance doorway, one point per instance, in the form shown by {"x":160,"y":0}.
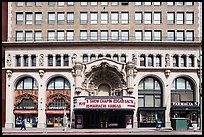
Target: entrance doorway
{"x":104,"y":118}
{"x":55,"y":120}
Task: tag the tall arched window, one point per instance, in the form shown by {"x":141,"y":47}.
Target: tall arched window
{"x":150,"y":93}
{"x":115,"y":57}
{"x":85,"y":58}
{"x":123,"y":58}
{"x":58,"y":83}
{"x":92,"y":57}
{"x":182,"y":90}
{"x":142,"y":60}
{"x":27,"y":83}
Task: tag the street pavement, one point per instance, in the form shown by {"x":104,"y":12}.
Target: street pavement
{"x":115,"y":131}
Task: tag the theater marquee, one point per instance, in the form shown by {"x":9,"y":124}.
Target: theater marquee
{"x":104,"y":103}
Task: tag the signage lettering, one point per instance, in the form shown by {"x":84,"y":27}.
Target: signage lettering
{"x":104,"y":103}
{"x":185,"y":103}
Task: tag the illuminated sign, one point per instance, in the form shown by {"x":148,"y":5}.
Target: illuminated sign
{"x":93,"y":103}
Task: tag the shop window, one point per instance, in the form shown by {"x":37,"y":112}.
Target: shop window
{"x":27,"y":104}
{"x":182,"y":90}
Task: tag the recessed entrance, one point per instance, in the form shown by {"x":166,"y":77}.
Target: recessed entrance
{"x":104,"y":90}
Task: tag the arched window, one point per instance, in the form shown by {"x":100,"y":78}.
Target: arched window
{"x":149,"y":93}
{"x":85,"y":58}
{"x":108,"y":56}
{"x":183,"y":61}
{"x":123,"y":58}
{"x":115,"y":57}
{"x":100,"y":56}
{"x":191,"y":61}
{"x":93,"y":57}
{"x":142,"y":60}
{"x":182,"y":90}
{"x":158,"y":61}
{"x":27,"y":104}
{"x":59,"y":103}
{"x":58,"y":83}
{"x":27,"y":83}
{"x":175,"y":60}
{"x":150,"y":61}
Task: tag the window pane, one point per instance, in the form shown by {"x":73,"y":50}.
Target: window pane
{"x":60,"y":35}
{"x":170,"y":18}
{"x":149,"y":102}
{"x":140,"y":102}
{"x":51,"y":84}
{"x":70,"y":35}
{"x":189,"y":18}
{"x":114,"y":35}
{"x":104,"y":35}
{"x":157,"y":18}
{"x":138,"y":18}
{"x":149,"y":83}
{"x":51,"y":35}
{"x":125,"y":35}
{"x":189,"y":36}
{"x":171,"y":36}
{"x":59,"y":83}
{"x":83,"y":35}
{"x":157,"y":101}
{"x":157,"y":35}
{"x":179,"y":18}
{"x":114,"y":18}
{"x":148,"y":36}
{"x":28,"y":36}
{"x":180,"y":36}
{"x":180,"y":83}
{"x":94,"y":18}
{"x":138,"y":35}
{"x":83,"y":18}
{"x":124,"y":18}
{"x":19,"y":36}
{"x":60,"y":18}
{"x":27,"y":83}
{"x":29,"y":18}
{"x":148,"y":18}
{"x":51,"y":18}
{"x":38,"y":36}
{"x":20,"y":85}
{"x":19,"y":18}
{"x":93,"y":35}
{"x":38,"y":18}
{"x":70,"y":17}
{"x":104,"y":18}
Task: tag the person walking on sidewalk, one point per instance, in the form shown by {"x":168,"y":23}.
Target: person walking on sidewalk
{"x":23,"y":125}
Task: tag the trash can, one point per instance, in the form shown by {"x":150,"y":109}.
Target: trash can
{"x":179,"y":123}
{"x":158,"y":124}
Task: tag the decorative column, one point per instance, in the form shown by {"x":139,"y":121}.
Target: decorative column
{"x":41,"y":101}
{"x":77,"y":73}
{"x":130,"y":73}
{"x":10,"y":97}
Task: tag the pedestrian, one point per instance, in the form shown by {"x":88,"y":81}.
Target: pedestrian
{"x":23,"y":125}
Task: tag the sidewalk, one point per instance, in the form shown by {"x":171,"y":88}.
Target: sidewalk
{"x":118,"y":131}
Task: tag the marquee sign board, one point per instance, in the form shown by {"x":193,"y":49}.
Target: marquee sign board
{"x":104,"y":103}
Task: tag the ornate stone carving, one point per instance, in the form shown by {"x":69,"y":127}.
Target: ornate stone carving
{"x":167,"y":60}
{"x":167,"y":73}
{"x":134,"y":59}
{"x":8,"y":61}
{"x":74,"y":56}
{"x":41,"y":73}
{"x":41,"y":60}
{"x":134,"y":72}
{"x":9,"y":73}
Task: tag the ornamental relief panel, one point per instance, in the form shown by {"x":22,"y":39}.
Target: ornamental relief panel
{"x":58,"y":94}
{"x":25,"y":94}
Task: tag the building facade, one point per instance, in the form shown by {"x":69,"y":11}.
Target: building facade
{"x":102,"y":64}
{"x":4,"y":39}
